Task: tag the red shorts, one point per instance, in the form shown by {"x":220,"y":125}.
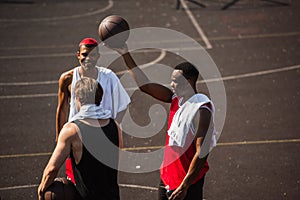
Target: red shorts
{"x":69,"y":170}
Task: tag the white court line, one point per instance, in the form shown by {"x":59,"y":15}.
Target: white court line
{"x":257,"y":36}
{"x":259,"y":142}
{"x":25,"y":155}
{"x":29,"y":83}
{"x":110,"y":5}
{"x":36,"y":185}
{"x":28,"y":96}
{"x":155,"y":147}
{"x":226,"y":78}
{"x":159,"y":147}
{"x":39,"y":56}
{"x":260,"y":73}
{"x":221,"y":38}
{"x":51,"y":55}
{"x":247,"y":75}
{"x":138,"y":186}
{"x":144,"y":51}
{"x":196,"y":24}
{"x":158,"y":59}
{"x":18,"y":187}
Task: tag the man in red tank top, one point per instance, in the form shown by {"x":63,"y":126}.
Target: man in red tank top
{"x":185,"y":161}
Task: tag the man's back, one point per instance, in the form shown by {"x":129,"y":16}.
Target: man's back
{"x":94,"y":177}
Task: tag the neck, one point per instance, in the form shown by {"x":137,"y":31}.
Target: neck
{"x":188,"y":95}
{"x":90,"y":72}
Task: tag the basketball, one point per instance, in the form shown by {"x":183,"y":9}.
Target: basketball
{"x":113,"y":25}
{"x":60,"y":189}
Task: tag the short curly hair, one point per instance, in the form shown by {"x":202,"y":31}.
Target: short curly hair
{"x":189,"y":71}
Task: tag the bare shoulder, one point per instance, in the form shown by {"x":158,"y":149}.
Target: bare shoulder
{"x":66,"y":78}
{"x":67,"y":75}
{"x":68,"y":131}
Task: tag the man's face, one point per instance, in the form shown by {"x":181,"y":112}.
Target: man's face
{"x":179,"y":83}
{"x":88,"y":57}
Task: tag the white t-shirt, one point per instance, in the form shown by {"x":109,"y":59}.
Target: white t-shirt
{"x":115,"y":98}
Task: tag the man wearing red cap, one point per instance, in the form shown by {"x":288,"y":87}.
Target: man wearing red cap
{"x":115,"y":98}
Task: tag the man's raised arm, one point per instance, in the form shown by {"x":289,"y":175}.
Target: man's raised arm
{"x":156,"y":90}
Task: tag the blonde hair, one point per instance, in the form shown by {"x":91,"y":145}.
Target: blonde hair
{"x":88,"y":91}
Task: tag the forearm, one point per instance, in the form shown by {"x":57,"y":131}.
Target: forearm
{"x":59,"y":155}
{"x":155,"y":90}
{"x":196,"y":166}
{"x":199,"y":160}
{"x":193,"y":171}
{"x":139,"y":76}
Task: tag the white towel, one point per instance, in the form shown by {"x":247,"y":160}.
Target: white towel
{"x":183,"y":120}
{"x":91,"y":111}
{"x":115,"y":97}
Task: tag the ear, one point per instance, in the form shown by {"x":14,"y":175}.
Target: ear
{"x":78,"y":54}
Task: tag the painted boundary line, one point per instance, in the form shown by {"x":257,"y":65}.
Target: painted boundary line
{"x":87,"y":14}
{"x":258,"y":36}
{"x":143,"y":148}
{"x":221,"y":38}
{"x":54,"y":55}
{"x":240,"y":37}
{"x":18,"y":187}
{"x":259,"y":142}
{"x":156,"y":61}
{"x":36,"y":185}
{"x":159,"y":147}
{"x":226,"y":78}
{"x":138,"y":186}
{"x":28,"y":96}
{"x":260,"y":73}
{"x":196,"y":24}
{"x":216,"y":38}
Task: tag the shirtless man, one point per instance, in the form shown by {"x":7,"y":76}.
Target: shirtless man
{"x":114,"y":99}
{"x":94,"y":179}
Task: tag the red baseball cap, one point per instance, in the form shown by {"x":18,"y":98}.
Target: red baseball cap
{"x":88,"y":41}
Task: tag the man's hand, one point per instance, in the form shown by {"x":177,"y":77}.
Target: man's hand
{"x":179,"y":194}
{"x":40,"y":193}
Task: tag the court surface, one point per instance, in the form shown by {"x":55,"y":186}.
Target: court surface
{"x":254,"y":44}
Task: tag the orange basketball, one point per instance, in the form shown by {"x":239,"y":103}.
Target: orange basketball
{"x":113,"y":31}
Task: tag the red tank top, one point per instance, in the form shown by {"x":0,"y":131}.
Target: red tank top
{"x":177,"y":160}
